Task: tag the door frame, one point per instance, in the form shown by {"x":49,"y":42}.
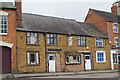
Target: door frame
{"x":48,"y":61}
{"x":90,"y":61}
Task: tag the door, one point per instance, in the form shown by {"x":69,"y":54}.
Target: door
{"x":52,"y":61}
{"x":5,"y":52}
{"x":87,"y":62}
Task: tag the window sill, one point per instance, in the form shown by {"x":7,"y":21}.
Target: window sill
{"x":33,"y":44}
{"x":101,"y":62}
{"x":3,"y":34}
{"x":115,"y":63}
{"x":51,"y":45}
{"x":99,"y":46}
{"x":32,"y":64}
{"x":116,"y":32}
{"x":81,"y":46}
{"x":73,"y":63}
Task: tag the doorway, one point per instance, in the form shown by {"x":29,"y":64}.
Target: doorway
{"x":87,"y":62}
{"x":52,"y":62}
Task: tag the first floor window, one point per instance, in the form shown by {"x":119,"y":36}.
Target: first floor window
{"x":81,"y":40}
{"x":70,"y":41}
{"x":100,"y":56}
{"x":33,"y":58}
{"x":99,"y":42}
{"x":116,"y":42}
{"x":115,"y":28}
{"x":32,"y":38}
{"x":3,"y":24}
{"x":115,"y":58}
{"x":52,"y":39}
{"x":73,"y":59}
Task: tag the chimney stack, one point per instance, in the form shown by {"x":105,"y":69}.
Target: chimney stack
{"x":116,"y":7}
{"x":18,"y":4}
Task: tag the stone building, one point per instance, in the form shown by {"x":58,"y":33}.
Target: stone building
{"x":51,"y":44}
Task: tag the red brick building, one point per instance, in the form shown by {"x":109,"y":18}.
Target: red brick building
{"x":9,"y":15}
{"x":108,"y":23}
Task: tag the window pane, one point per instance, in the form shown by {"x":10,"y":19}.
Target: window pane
{"x":67,"y":59}
{"x":32,"y":58}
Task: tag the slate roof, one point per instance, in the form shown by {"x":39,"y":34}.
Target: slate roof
{"x":7,"y":5}
{"x":39,"y":23}
{"x":107,"y":15}
{"x":92,"y":30}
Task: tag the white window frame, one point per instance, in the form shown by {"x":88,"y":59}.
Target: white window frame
{"x":37,"y":58}
{"x":81,"y":41}
{"x":51,"y":39}
{"x":116,"y":42}
{"x":104,"y":56}
{"x":32,"y":38}
{"x":98,"y":42}
{"x":70,"y":41}
{"x":77,"y":56}
{"x":114,"y":28}
{"x":4,"y":14}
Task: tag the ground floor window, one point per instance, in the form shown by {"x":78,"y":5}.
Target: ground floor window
{"x":33,"y":57}
{"x":73,"y":59}
{"x":115,"y":58}
{"x":100,"y":56}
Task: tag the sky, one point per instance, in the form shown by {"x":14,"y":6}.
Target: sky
{"x":70,"y":9}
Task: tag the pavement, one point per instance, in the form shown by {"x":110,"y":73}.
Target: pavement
{"x":54,"y":74}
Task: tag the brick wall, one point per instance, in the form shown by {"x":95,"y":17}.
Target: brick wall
{"x":97,"y":20}
{"x":101,"y":24}
{"x":11,"y":37}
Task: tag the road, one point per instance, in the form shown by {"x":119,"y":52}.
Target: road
{"x":99,"y":76}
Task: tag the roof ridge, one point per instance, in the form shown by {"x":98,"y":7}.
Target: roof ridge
{"x":49,"y":16}
{"x":104,"y":11}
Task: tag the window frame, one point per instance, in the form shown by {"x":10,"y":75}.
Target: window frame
{"x":80,"y":40}
{"x":70,"y":40}
{"x":77,"y":56}
{"x":4,"y":29}
{"x":104,"y":56}
{"x":28,"y":59}
{"x":99,"y":42}
{"x":115,"y":28}
{"x":36,"y":43}
{"x":118,"y":45}
{"x":51,"y":37}
{"x":116,"y":60}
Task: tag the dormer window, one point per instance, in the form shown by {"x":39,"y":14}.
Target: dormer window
{"x":115,"y":28}
{"x":3,"y":24}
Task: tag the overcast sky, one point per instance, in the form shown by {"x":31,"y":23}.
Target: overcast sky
{"x":71,"y":9}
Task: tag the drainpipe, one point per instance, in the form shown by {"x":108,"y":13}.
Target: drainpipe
{"x":45,"y":52}
{"x":109,"y":44}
